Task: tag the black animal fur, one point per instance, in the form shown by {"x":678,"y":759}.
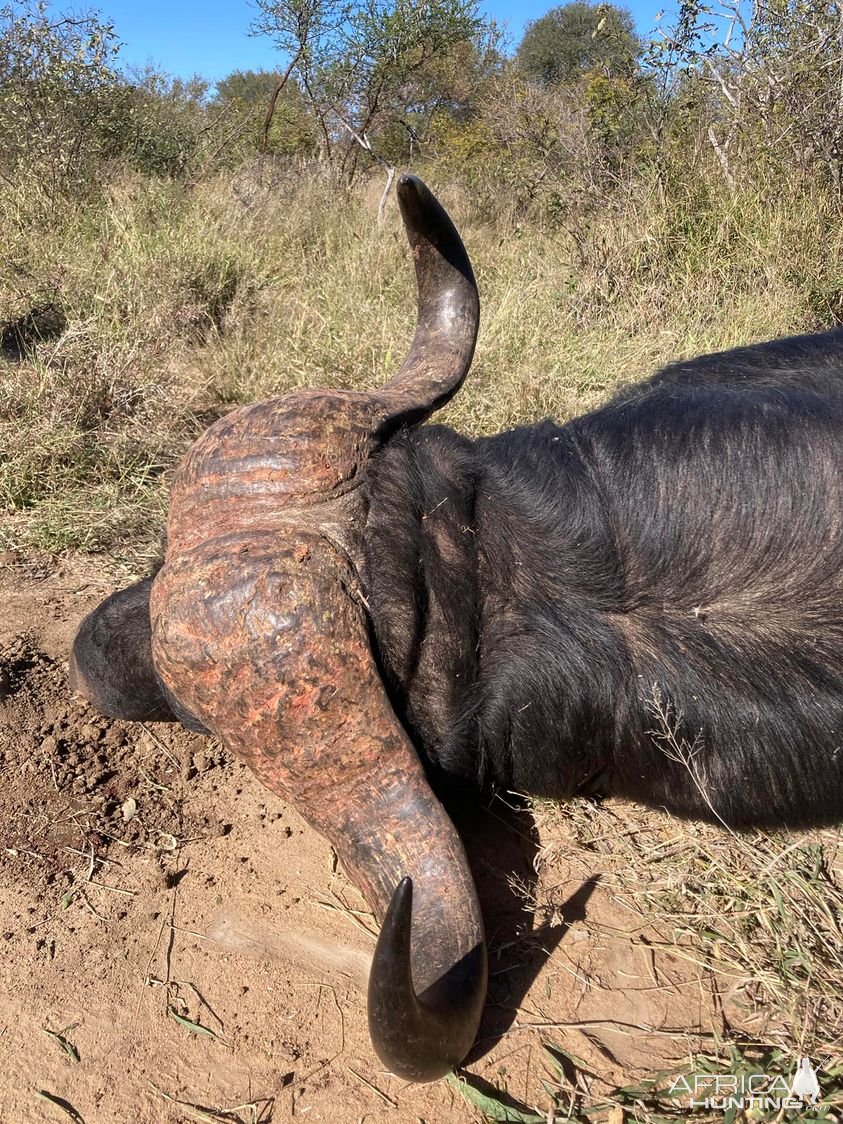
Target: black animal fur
{"x":646,"y":601}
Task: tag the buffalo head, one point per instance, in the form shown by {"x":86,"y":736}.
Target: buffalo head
{"x":256,"y":630}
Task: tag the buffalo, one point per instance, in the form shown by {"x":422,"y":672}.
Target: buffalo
{"x":646,"y":601}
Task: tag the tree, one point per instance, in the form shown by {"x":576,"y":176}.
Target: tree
{"x":68,"y":115}
{"x":764,"y":83}
{"x":162,"y":123}
{"x":248,"y":96}
{"x":358,"y":64}
{"x":576,"y":38}
{"x":247,"y":87}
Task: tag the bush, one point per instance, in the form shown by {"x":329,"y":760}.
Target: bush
{"x":59,"y":97}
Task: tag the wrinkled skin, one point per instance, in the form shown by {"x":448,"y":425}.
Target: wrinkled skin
{"x":343,"y":591}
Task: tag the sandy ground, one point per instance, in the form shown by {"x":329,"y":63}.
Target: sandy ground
{"x":195,"y":945}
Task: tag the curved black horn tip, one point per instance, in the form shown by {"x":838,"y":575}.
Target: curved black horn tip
{"x":413,"y":1040}
{"x":420,"y":209}
{"x":412,"y":190}
{"x":426,"y":221}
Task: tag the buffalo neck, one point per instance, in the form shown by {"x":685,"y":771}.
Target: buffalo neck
{"x":488,"y":567}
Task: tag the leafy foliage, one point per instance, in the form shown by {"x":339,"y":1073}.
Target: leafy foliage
{"x":160,"y":122}
{"x":246,"y":95}
{"x":57,"y":84}
{"x":367,"y":68}
{"x":576,"y":38}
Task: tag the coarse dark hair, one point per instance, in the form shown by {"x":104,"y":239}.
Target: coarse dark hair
{"x":645,"y":601}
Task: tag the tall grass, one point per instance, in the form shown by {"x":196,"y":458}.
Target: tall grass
{"x":169,"y":306}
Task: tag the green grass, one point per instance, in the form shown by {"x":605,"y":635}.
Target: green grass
{"x":571,"y":1094}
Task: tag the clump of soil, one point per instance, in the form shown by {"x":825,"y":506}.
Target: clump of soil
{"x":80,"y":775}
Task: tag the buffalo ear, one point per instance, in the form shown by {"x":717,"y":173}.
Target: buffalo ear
{"x":111,"y":659}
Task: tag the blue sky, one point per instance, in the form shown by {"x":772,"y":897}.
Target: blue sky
{"x":188,"y":37}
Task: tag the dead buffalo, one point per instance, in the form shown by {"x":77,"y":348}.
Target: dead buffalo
{"x":645,"y":601}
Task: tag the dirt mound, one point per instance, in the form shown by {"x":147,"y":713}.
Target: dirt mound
{"x":173,"y":935}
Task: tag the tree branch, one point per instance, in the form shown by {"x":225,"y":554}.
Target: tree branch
{"x":273,"y":101}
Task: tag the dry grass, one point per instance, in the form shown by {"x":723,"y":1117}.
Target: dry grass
{"x":166,"y":307}
{"x":760,"y":912}
{"x":756,"y":918}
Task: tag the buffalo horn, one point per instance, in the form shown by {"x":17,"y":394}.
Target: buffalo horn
{"x":274,"y":656}
{"x":448,"y":312}
{"x":420,"y":1039}
{"x":259,"y":630}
